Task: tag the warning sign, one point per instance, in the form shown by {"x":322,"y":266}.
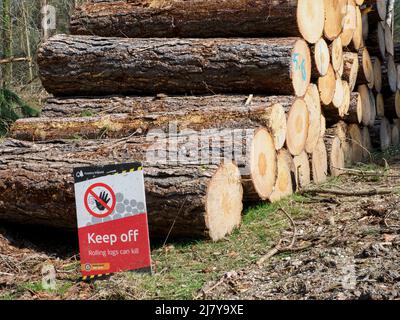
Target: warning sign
{"x":112,"y":219}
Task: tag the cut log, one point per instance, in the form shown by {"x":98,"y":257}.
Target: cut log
{"x":377,"y":67}
{"x":314,"y":112}
{"x":338,"y":97}
{"x":145,"y":113}
{"x":335,"y":12}
{"x":376,"y":41}
{"x":398,"y":76}
{"x":389,"y":42}
{"x":358,"y":40}
{"x":349,"y":23}
{"x":333,"y":113}
{"x":201,"y":19}
{"x":286,"y":180}
{"x":366,"y":70}
{"x":350,"y":69}
{"x":319,"y":163}
{"x":341,"y":131}
{"x":336,"y":52}
{"x":366,"y":104}
{"x":323,"y":126}
{"x":327,"y":85}
{"x":302,"y":170}
{"x":322,"y":57}
{"x":355,"y":138}
{"x":37,"y":188}
{"x":354,"y":114}
{"x":373,"y":108}
{"x":381,"y":134}
{"x":389,"y":76}
{"x":87,"y":65}
{"x":395,"y":135}
{"x":380,"y":106}
{"x":297,"y":127}
{"x":392,"y":106}
{"x":335,"y":155}
{"x":366,"y":143}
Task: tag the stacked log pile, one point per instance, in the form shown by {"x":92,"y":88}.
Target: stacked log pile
{"x":312,"y":82}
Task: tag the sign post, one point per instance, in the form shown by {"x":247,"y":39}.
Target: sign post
{"x":112,"y":219}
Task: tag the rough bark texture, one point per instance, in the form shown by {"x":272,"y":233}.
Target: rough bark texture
{"x":36,"y":185}
{"x":141,"y":114}
{"x":187,"y":18}
{"x":86,"y":65}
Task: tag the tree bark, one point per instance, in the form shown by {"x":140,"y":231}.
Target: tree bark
{"x":200,"y":19}
{"x":36,"y":187}
{"x":86,"y":65}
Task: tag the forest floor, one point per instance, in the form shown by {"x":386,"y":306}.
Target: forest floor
{"x":343,"y":247}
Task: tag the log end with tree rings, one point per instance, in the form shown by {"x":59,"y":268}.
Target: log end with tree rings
{"x":350,"y":69}
{"x":381,"y":39}
{"x":349,"y":23}
{"x":300,"y":67}
{"x":355,"y":112}
{"x":385,"y":133}
{"x":263,"y":166}
{"x":389,"y":43}
{"x":366,"y":104}
{"x":277,"y":124}
{"x":344,"y":108}
{"x":366,"y":143}
{"x":338,"y":96}
{"x":326,"y":86}
{"x":297,"y":127}
{"x":367,"y":67}
{"x":285,"y":181}
{"x":319,"y":163}
{"x":224,"y":202}
{"x":311,"y":19}
{"x":358,"y":40}
{"x":322,"y":57}
{"x":392,"y":73}
{"x":302,"y":170}
{"x":380,"y":105}
{"x":336,"y":50}
{"x":377,"y":74}
{"x":335,"y":155}
{"x":314,"y":111}
{"x":395,"y":135}
{"x":335,"y":11}
{"x":355,"y":137}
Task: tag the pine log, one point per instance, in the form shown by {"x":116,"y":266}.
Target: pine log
{"x":365,"y":26}
{"x":381,"y":134}
{"x":376,"y":40}
{"x":377,"y":67}
{"x":350,"y":69}
{"x":302,"y":170}
{"x":380,"y":105}
{"x":319,"y":163}
{"x":201,"y":19}
{"x":333,"y":113}
{"x":37,"y":188}
{"x":341,"y":131}
{"x":366,"y":70}
{"x":356,"y":142}
{"x":314,"y":115}
{"x":358,"y":39}
{"x":349,"y":23}
{"x":141,"y":114}
{"x":335,"y":12}
{"x":89,"y":65}
{"x":389,"y":76}
{"x":297,"y":127}
{"x":389,"y":42}
{"x":392,"y":106}
{"x":366,"y":104}
{"x":327,"y":85}
{"x":336,"y":52}
{"x":322,"y":58}
{"x":366,"y":143}
{"x":335,"y":154}
{"x":286,"y":180}
{"x":395,"y":139}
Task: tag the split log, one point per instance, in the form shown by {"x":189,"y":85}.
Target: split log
{"x":381,"y":134}
{"x":314,"y":112}
{"x":88,"y":65}
{"x":286,"y":180}
{"x":142,"y":114}
{"x":356,"y":143}
{"x":302,"y":170}
{"x":326,"y":86}
{"x":37,"y":188}
{"x":319,"y":163}
{"x":350,"y":69}
{"x":201,"y":19}
{"x":335,"y":154}
{"x":322,"y":58}
{"x":335,"y":12}
{"x":297,"y":127}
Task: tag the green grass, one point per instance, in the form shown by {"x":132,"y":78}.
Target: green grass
{"x":183,"y":268}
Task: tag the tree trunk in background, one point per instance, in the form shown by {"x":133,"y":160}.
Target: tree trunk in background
{"x":7,"y":41}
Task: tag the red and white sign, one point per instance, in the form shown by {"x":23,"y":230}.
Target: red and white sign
{"x":112,"y":219}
